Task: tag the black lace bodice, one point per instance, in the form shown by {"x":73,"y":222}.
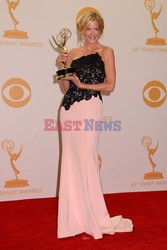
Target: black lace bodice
{"x":90,"y":70}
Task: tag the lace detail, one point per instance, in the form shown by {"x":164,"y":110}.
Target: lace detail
{"x":90,"y":70}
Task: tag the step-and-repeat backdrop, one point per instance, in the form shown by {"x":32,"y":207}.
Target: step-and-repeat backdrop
{"x":133,"y":142}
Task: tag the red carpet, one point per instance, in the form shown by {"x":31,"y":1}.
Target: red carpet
{"x":31,"y":224}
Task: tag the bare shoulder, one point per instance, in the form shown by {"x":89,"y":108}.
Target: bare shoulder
{"x":108,"y":52}
{"x":73,"y":52}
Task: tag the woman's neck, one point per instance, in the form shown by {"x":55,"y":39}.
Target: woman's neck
{"x":91,"y":47}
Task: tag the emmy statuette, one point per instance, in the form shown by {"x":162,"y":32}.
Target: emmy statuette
{"x":150,"y":5}
{"x":60,"y":41}
{"x":147,"y":141}
{"x":8,"y":145}
{"x":14,"y":33}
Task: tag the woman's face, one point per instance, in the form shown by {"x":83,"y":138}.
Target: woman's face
{"x":92,"y":32}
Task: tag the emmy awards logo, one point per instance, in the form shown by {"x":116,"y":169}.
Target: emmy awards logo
{"x":8,"y":145}
{"x":61,"y":41}
{"x":147,"y":141}
{"x":18,"y":34}
{"x":150,"y":4}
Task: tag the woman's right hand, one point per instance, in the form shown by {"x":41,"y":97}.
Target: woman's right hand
{"x":62,"y":58}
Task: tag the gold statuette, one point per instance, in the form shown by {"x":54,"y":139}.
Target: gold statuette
{"x":15,"y":33}
{"x":8,"y":145}
{"x":150,"y":5}
{"x":147,"y":141}
{"x":61,"y":41}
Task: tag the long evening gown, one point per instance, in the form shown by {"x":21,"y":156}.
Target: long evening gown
{"x":81,"y":204}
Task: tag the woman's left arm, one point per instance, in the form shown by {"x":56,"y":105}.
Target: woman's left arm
{"x":109,"y":84}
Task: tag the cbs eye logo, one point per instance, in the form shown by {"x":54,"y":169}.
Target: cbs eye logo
{"x":154,"y":94}
{"x":16,"y":92}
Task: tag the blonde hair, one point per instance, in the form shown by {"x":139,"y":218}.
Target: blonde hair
{"x":89,"y":17}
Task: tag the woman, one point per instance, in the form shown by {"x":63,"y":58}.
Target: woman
{"x":81,"y":204}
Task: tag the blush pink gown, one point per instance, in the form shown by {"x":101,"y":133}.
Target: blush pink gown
{"x":81,"y":204}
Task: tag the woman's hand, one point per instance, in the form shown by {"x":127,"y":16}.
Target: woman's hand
{"x":63,"y":56}
{"x":75,"y":80}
